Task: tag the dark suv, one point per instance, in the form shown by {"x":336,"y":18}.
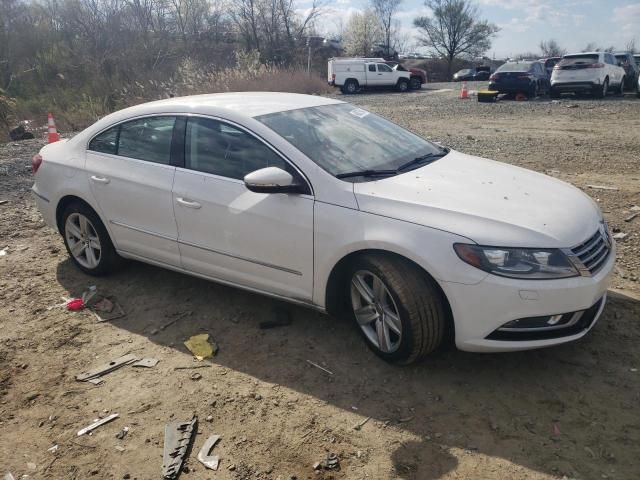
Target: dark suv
{"x":631,"y":69}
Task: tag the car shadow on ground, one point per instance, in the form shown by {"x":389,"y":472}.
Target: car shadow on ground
{"x":560,"y":411}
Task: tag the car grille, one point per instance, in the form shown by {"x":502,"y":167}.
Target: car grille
{"x":592,"y":253}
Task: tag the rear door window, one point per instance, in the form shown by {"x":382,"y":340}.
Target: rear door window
{"x":147,"y":139}
{"x":384,"y":68}
{"x":106,"y":142}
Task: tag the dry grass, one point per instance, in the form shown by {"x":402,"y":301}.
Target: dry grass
{"x":75,"y":111}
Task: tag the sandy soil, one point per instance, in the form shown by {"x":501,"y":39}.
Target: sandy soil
{"x":567,"y":411}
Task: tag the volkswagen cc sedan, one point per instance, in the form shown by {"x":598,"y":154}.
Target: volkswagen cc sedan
{"x":318,"y":202}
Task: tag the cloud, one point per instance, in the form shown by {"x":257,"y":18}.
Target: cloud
{"x":627,"y":16}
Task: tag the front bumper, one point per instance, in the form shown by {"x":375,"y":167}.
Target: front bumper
{"x":480,"y":309}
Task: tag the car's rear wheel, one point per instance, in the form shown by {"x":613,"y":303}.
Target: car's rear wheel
{"x":350,"y":87}
{"x":415,"y":83}
{"x":397,"y":308}
{"x":554,"y":93}
{"x":87,"y":240}
{"x":601,"y":92}
{"x":620,"y":91}
{"x":533,"y":90}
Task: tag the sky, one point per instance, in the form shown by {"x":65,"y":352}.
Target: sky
{"x":523,"y":23}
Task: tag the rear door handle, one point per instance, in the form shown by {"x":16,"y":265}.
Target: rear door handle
{"x":97,"y":179}
{"x":188,"y":203}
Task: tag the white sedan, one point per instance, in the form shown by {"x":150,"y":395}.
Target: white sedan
{"x":320,"y":203}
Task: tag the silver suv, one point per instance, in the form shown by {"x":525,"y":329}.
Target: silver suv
{"x":596,"y":73}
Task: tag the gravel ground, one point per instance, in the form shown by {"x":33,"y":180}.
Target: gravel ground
{"x":565,"y":412}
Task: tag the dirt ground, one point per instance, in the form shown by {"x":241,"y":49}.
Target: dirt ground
{"x":569,"y":411}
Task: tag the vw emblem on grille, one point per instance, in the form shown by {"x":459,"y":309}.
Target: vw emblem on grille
{"x":605,"y":235}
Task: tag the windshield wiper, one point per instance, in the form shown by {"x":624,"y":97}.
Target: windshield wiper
{"x":428,"y":158}
{"x":367,"y":173}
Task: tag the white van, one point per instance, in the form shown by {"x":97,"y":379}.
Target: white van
{"x":353,"y":74}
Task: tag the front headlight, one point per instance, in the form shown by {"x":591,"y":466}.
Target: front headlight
{"x":525,"y":263}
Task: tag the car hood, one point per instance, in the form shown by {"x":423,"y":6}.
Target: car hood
{"x":489,"y":202}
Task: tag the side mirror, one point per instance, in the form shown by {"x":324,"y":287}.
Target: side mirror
{"x":271,"y":180}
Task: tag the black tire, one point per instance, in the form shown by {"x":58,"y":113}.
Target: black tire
{"x":350,"y":87}
{"x":420,"y":306}
{"x":620,"y":91}
{"x":553,"y":93}
{"x":415,"y":83}
{"x":109,"y":260}
{"x":533,"y":90}
{"x":402,"y":85}
{"x":601,"y":91}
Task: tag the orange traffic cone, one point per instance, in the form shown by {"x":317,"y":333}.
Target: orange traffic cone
{"x":464,"y":93}
{"x":54,"y":136}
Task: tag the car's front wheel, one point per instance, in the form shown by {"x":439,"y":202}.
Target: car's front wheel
{"x":397,"y":308}
{"x":87,"y":240}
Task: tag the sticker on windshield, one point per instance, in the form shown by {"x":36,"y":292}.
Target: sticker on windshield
{"x":358,"y":112}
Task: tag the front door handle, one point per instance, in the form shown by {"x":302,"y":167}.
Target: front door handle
{"x":188,"y":203}
{"x":97,"y":179}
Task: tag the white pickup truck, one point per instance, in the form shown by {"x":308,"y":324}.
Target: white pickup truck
{"x":353,"y":74}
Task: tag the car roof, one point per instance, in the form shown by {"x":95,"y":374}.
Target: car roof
{"x":250,"y":104}
{"x":235,"y":106}
{"x":579,"y":54}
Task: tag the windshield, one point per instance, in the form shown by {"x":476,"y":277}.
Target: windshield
{"x":515,"y":67}
{"x":342,"y":138}
{"x":466,"y":71}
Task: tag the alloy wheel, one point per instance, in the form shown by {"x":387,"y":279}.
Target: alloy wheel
{"x":376,"y":311}
{"x":83,"y":240}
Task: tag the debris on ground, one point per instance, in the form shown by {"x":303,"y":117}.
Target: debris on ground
{"x":122,"y":433}
{"x":20,"y":133}
{"x":282,"y":318}
{"x":320,"y":367}
{"x":619,"y":236}
{"x":8,"y":476}
{"x":168,"y":324}
{"x":631,"y":217}
{"x":97,"y":423}
{"x":53,"y":449}
{"x":196,"y":376}
{"x":361,"y":424}
{"x":106,"y":309}
{"x":192,"y":367}
{"x":75,"y":304}
{"x":177,"y":439}
{"x":205,"y":457}
{"x":602,"y":187}
{"x":2,"y":202}
{"x":97,"y":372}
{"x":330,"y":462}
{"x":200,"y":347}
{"x":146,"y":363}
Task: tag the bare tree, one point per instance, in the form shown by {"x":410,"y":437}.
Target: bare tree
{"x":361,"y":33}
{"x":551,"y":48}
{"x":385,"y":10}
{"x":454,"y":30}
{"x":631,"y":46}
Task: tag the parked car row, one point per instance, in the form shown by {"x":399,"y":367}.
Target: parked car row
{"x":594,"y":73}
{"x":353,"y":74}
